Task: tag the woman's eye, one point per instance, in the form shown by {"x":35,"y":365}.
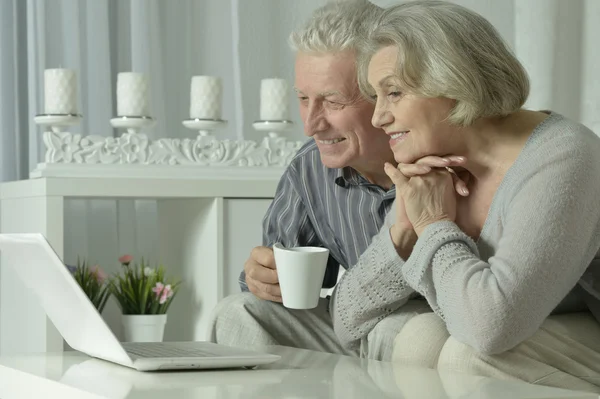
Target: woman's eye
{"x":374,"y":97}
{"x":394,"y":94}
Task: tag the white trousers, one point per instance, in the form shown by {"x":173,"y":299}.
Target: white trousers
{"x":246,"y":321}
{"x":563,"y":353}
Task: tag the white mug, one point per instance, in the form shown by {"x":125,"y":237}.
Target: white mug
{"x":300,"y":271}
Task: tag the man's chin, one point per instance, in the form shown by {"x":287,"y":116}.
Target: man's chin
{"x":332,"y":162}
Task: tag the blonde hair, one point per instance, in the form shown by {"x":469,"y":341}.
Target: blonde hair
{"x":446,"y":50}
{"x":335,"y":27}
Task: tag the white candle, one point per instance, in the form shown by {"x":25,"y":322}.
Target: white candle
{"x":274,"y":100}
{"x":205,"y":97}
{"x":132,"y":94}
{"x":60,"y":91}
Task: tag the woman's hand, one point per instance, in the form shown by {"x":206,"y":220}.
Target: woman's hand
{"x":422,"y":167}
{"x":425,"y":193}
{"x":425,"y":164}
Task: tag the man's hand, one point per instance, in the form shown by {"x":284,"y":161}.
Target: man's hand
{"x":261,"y":274}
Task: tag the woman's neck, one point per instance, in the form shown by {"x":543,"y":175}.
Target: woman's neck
{"x":491,"y":145}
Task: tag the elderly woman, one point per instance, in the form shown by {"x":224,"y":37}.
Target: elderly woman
{"x":519,"y":244}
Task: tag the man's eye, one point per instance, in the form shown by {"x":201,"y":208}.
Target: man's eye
{"x":303,"y":98}
{"x":334,"y":105}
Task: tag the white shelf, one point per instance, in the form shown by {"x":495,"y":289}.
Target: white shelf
{"x":137,"y":171}
{"x":192,"y":231}
{"x":225,"y":183}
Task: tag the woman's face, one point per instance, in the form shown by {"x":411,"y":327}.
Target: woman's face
{"x":416,"y":125}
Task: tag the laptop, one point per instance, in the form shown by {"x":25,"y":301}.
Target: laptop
{"x":84,"y":329}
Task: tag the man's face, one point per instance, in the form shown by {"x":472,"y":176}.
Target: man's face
{"x":335,"y":114}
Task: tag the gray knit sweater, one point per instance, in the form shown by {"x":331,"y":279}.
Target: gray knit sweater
{"x":542,"y":233}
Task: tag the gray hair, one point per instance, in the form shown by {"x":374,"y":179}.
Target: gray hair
{"x":446,"y":50}
{"x":335,"y":27}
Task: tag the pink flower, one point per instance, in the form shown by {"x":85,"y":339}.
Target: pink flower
{"x":158,"y":288}
{"x":99,"y":274}
{"x":125,"y":259}
{"x":163,"y":292}
{"x":166,"y":294}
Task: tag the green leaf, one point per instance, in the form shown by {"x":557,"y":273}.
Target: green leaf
{"x":133,"y":289}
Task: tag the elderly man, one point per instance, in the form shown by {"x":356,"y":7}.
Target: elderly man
{"x":334,"y":194}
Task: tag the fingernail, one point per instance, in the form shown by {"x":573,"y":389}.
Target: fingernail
{"x":464,"y":191}
{"x":460,"y":159}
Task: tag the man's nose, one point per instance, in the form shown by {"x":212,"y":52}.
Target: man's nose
{"x":315,"y":122}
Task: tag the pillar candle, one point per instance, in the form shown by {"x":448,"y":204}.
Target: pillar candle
{"x":274,"y":99}
{"x":132,"y":94}
{"x":205,"y":97}
{"x":60,"y":91}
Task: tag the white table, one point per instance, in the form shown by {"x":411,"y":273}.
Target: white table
{"x":299,"y":374}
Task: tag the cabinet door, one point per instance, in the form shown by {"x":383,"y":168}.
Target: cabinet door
{"x":242,"y":232}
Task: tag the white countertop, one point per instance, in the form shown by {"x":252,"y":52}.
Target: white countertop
{"x":299,"y":374}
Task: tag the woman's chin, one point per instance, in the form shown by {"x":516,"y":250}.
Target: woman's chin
{"x":402,"y":158}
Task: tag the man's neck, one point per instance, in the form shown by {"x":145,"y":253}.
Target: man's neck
{"x":378,"y":178}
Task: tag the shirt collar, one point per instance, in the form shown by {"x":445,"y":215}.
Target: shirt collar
{"x":350,"y":177}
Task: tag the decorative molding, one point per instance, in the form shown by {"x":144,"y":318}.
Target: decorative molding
{"x":138,"y":149}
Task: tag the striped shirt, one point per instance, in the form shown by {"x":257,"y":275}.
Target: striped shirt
{"x":333,"y":208}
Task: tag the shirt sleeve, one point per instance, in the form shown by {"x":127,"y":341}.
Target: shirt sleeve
{"x":548,"y":233}
{"x":288,"y":223}
{"x":371,"y":290}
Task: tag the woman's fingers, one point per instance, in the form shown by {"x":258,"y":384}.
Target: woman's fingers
{"x":457,"y":160}
{"x":412,"y":169}
{"x":440,"y":162}
{"x":433,"y":160}
{"x":425,"y":164}
{"x":459,"y":185}
{"x":398,"y":178}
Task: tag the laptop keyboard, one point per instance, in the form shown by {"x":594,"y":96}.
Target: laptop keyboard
{"x":168,"y":349}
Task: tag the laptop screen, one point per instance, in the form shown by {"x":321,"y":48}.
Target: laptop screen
{"x":65,"y":303}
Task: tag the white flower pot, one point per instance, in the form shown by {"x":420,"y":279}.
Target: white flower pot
{"x":144,"y":328}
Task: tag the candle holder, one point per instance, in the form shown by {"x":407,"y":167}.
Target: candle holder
{"x":57,"y":122}
{"x":133,"y":124}
{"x":204,"y":126}
{"x":272,"y":126}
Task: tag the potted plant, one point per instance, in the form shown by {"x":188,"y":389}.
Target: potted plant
{"x":144,"y":295}
{"x":93,"y":281}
